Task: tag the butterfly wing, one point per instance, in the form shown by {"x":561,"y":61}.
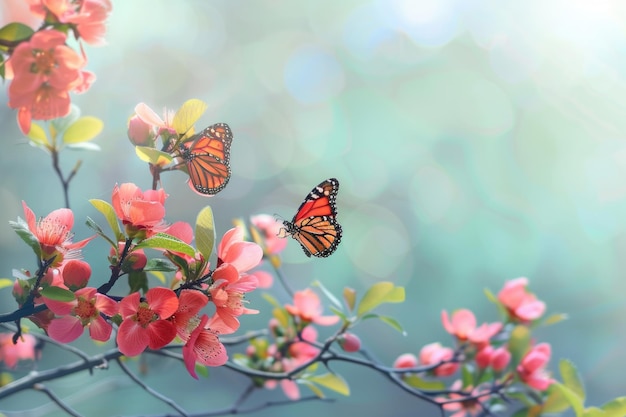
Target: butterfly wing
{"x":208,"y":159}
{"x":315,"y":224}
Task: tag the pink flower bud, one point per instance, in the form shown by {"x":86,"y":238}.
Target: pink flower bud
{"x":137,"y":260}
{"x":483,"y":357}
{"x":500,"y":359}
{"x":433,"y":354}
{"x":250,"y":351}
{"x":350,"y":342}
{"x":140,"y":133}
{"x":76,"y":274}
{"x":406,"y":360}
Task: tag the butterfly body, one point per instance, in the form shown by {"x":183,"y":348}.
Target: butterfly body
{"x":315,"y":224}
{"x":207,"y":157}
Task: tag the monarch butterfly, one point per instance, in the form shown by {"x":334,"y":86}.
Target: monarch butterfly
{"x":315,"y":224}
{"x":207,"y":156}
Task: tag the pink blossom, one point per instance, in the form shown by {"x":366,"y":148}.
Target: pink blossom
{"x":463,"y":327}
{"x":11,"y":353}
{"x":203,"y":346}
{"x":269,"y":227}
{"x":54,"y":234}
{"x":76,"y":274}
{"x":149,"y":116}
{"x":308,"y":308}
{"x":142,"y":212}
{"x":234,"y":250}
{"x":140,"y":133}
{"x":186,"y":317}
{"x":531,"y":368}
{"x":227,"y":292}
{"x":83,"y":311}
{"x":522,"y":305}
{"x":406,"y":360}
{"x":145,"y":322}
{"x":463,"y":407}
{"x":498,"y":358}
{"x":433,"y":354}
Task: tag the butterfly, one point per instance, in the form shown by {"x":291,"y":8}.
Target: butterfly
{"x":315,"y":224}
{"x":207,"y":156}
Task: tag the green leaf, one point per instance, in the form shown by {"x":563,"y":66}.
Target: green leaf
{"x":466,"y":376}
{"x":328,"y":294}
{"x":572,"y":398}
{"x":138,"y":281}
{"x":37,"y":135}
{"x":83,"y":130}
{"x":166,"y":242}
{"x":188,"y":115}
{"x":571,"y":378}
{"x":22,"y":230}
{"x":393,"y":323}
{"x":5,"y":282}
{"x":270,"y":299}
{"x":555,"y":401}
{"x":15,"y":32}
{"x":153,"y":156}
{"x":108,"y":212}
{"x":519,"y":343}
{"x":60,"y":124}
{"x":415,"y":381}
{"x":349,"y":296}
{"x":615,"y":408}
{"x":554,"y":319}
{"x":338,"y":313}
{"x":205,"y":232}
{"x":492,"y":297}
{"x":93,"y":225}
{"x":318,"y":392}
{"x":333,"y":382}
{"x":58,"y":294}
{"x":202,"y":370}
{"x":596,"y":412}
{"x":382,"y":292}
{"x":158,"y":264}
{"x":281,"y":315}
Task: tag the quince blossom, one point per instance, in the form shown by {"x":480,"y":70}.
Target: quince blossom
{"x":463,"y":326}
{"x":521,"y":305}
{"x":308,"y":308}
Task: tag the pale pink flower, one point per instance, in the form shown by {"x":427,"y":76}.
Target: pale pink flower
{"x":463,"y":407}
{"x":234,"y":250}
{"x":463,"y":327}
{"x":406,"y":360}
{"x":521,"y":305}
{"x":433,"y":354}
{"x":139,"y":132}
{"x":531,"y":369}
{"x":83,"y":312}
{"x":11,"y":353}
{"x":54,"y":233}
{"x":498,"y":358}
{"x":308,"y":308}
{"x":149,"y":116}
{"x":227,"y":292}
{"x":270,"y":228}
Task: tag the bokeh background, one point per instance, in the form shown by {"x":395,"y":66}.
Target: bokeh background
{"x":475,"y":141}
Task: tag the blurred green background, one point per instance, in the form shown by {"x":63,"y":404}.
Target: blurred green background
{"x":475,"y":141}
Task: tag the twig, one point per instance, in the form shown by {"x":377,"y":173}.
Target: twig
{"x":151,"y":391}
{"x":62,"y":405}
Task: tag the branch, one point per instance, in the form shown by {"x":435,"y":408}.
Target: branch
{"x":65,"y":407}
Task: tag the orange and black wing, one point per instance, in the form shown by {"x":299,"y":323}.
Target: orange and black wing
{"x":315,"y":224}
{"x":208,"y":159}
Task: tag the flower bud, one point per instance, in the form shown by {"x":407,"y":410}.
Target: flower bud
{"x":350,"y":342}
{"x":140,"y":133}
{"x":76,"y":274}
{"x":483,"y":357}
{"x":500,"y":359}
{"x":406,"y":360}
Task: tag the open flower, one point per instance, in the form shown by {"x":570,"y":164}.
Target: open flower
{"x":84,"y":311}
{"x":142,"y":212}
{"x":11,"y":353}
{"x":45,"y":71}
{"x":463,"y":326}
{"x":145,"y":322}
{"x":464,"y":407}
{"x":227,"y":292}
{"x":204,"y":346}
{"x":433,"y":354}
{"x":522,"y":305}
{"x":54,"y":234}
{"x":269,"y":227}
{"x":531,"y":368}
{"x":308,"y":308}
{"x":234,"y":250}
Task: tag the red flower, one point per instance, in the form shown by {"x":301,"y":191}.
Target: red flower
{"x":145,"y":323}
{"x":54,"y":234}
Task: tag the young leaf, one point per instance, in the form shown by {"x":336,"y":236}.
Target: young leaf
{"x":202,"y":370}
{"x":157,"y":274}
{"x":615,"y":408}
{"x":572,"y":398}
{"x":5,"y":282}
{"x":205,"y":232}
{"x":37,"y":135}
{"x":571,"y":378}
{"x":22,"y":230}
{"x":82,"y":130}
{"x":166,"y":242}
{"x":58,"y":294}
{"x":60,"y":124}
{"x":268,"y":297}
{"x":554,"y":319}
{"x":188,"y":115}
{"x":93,"y":225}
{"x":333,"y":382}
{"x":281,"y":315}
{"x":338,"y":313}
{"x":153,"y":156}
{"x":161,"y":265}
{"x":415,"y":381}
{"x":381,"y":292}
{"x":555,"y":401}
{"x":596,"y":412}
{"x":466,"y":376}
{"x":393,"y":323}
{"x":318,"y":392}
{"x":328,"y":294}
{"x":349,"y":296}
{"x":519,"y":343}
{"x":109,"y":214}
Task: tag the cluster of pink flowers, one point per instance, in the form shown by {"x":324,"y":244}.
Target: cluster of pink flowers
{"x":489,"y":353}
{"x":161,"y":314}
{"x":44,"y":69}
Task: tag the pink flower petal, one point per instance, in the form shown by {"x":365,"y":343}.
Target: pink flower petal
{"x":129,"y":305}
{"x":132,"y":339}
{"x":100,"y":330}
{"x":160,"y":333}
{"x":65,"y":329}
{"x":162,"y":301}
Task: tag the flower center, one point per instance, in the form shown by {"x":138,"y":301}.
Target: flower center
{"x":145,"y":315}
{"x":44,"y":62}
{"x":86,"y":309}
